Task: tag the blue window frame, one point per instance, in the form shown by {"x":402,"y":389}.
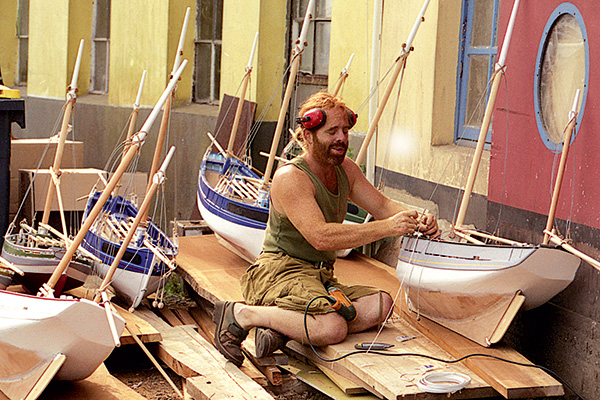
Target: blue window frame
{"x":477,"y":56}
{"x":562,"y":67}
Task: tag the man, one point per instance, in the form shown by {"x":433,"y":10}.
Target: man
{"x":308,"y":201}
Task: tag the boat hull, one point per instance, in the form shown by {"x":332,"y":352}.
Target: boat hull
{"x":239,"y":222}
{"x":139,"y":272}
{"x":453,"y":283}
{"x":78,"y":329}
{"x":38,"y":265}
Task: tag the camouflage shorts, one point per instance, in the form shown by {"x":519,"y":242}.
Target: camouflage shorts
{"x":291,"y":283}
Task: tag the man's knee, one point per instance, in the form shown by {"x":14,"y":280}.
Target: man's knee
{"x":328,"y":329}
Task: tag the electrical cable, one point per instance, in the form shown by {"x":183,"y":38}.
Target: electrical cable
{"x":443,"y":382}
{"x":454,"y":361}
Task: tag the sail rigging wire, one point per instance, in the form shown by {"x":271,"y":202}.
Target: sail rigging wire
{"x":30,"y":186}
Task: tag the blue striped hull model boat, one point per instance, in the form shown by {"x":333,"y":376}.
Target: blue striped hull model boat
{"x":228,"y":203}
{"x":149,"y":259}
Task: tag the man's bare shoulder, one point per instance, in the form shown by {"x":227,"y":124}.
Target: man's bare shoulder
{"x":289,"y":176}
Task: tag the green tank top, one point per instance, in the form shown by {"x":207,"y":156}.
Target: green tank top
{"x":281,"y":235}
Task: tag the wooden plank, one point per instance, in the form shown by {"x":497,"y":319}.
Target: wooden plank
{"x":209,"y":374}
{"x":511,"y":381}
{"x":315,"y":378}
{"x":101,"y":385}
{"x":214,"y":273}
{"x":395,"y":377}
{"x":209,"y":269}
{"x":144,"y":331}
{"x":184,"y":316}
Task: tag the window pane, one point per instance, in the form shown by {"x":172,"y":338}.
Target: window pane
{"x":100,"y":66}
{"x":23,"y":27}
{"x":562,"y":73}
{"x":23,"y":50}
{"x":322,"y":48}
{"x":102,"y":19}
{"x":217,"y":76}
{"x":202,"y":72}
{"x":306,"y":64}
{"x":218,"y":35}
{"x":323,"y":9}
{"x":205,"y":19}
{"x":478,"y":79}
{"x":483,"y":22}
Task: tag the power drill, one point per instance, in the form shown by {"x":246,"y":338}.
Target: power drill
{"x":340,"y":302}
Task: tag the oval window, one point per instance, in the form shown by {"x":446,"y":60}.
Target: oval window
{"x":562,"y":68}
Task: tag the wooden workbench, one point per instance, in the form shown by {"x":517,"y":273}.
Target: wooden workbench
{"x":213,"y":272}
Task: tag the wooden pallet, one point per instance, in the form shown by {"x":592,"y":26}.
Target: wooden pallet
{"x":213,"y":273}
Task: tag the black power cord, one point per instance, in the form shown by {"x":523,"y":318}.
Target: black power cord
{"x":457,"y":360}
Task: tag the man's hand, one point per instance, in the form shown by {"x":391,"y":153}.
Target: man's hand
{"x":428,"y":225}
{"x":404,"y":222}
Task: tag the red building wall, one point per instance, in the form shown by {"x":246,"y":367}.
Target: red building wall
{"x":517,"y":150}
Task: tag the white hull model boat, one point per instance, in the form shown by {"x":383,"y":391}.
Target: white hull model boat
{"x":35,"y":252}
{"x":476,"y":288}
{"x":35,"y":330}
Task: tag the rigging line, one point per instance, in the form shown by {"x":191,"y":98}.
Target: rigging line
{"x":482,"y":98}
{"x":30,"y":187}
{"x":568,"y":227}
{"x":374,"y":90}
{"x":255,"y":127}
{"x":218,"y":129}
{"x":383,"y":173}
{"x":505,"y":158}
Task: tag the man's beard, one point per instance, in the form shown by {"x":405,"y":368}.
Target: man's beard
{"x":323,"y":153}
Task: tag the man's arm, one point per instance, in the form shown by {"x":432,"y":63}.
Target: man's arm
{"x":366,"y":196}
{"x":293,"y":194}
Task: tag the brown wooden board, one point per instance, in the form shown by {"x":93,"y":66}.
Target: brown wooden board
{"x":99,"y":386}
{"x":396,"y":376}
{"x":208,"y":374}
{"x":214,"y":272}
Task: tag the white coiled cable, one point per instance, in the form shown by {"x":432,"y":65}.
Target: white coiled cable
{"x":443,"y":382}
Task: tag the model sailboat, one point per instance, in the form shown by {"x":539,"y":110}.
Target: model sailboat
{"x":78,"y":334}
{"x":233,"y":198}
{"x":149,"y":259}
{"x":35,"y":252}
{"x":476,"y":288}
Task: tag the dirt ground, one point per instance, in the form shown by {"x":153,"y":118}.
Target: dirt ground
{"x":132,"y":367}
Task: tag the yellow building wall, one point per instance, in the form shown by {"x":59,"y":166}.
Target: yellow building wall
{"x":351,"y":31}
{"x":420,"y":144}
{"x":8,"y":41}
{"x":148,"y":42}
{"x":53,"y":45}
{"x":241,"y":20}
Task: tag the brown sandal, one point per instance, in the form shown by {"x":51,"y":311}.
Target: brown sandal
{"x":267,"y":341}
{"x":229,"y":335}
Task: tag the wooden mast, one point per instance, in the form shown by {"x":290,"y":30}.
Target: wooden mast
{"x":296,"y":55}
{"x":157,"y":179}
{"x":343,"y":75}
{"x":132,"y":122}
{"x":134,"y":113}
{"x":487,"y":118}
{"x":55,"y":169}
{"x":240,"y":106}
{"x":136,"y":143}
{"x":164,"y":123}
{"x":398,"y":67}
{"x":562,"y":165}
